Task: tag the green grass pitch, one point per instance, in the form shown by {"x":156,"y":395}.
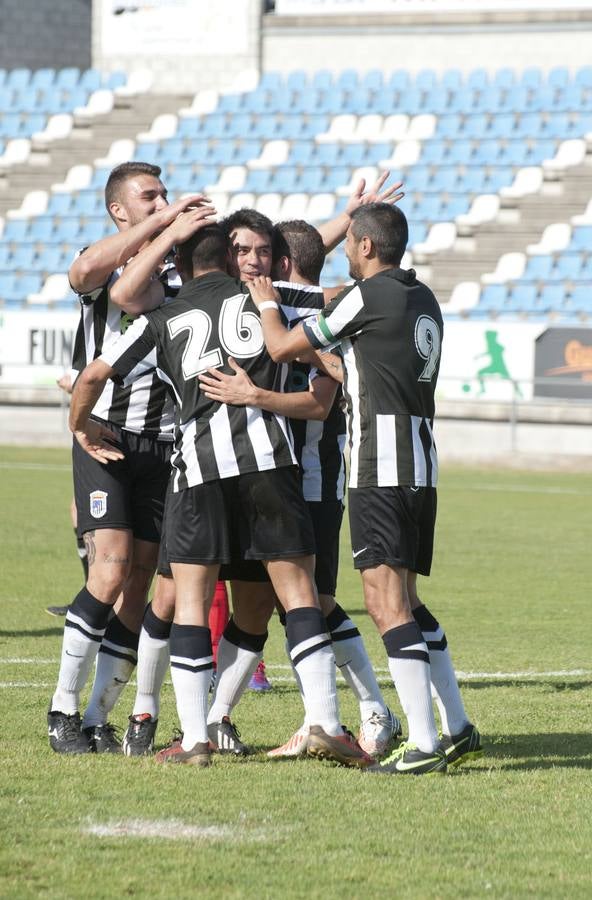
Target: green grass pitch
{"x":511,"y":586}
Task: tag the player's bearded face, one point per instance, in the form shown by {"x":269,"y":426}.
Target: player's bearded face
{"x":351,"y":252}
{"x":144,"y":196}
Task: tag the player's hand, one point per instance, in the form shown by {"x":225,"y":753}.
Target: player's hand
{"x":170,"y":213}
{"x":375,"y":193}
{"x":235,"y":390}
{"x":94,"y":439}
{"x":190,"y":221}
{"x":261,"y":288}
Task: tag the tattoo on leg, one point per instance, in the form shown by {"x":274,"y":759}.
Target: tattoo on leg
{"x":89,"y":543}
{"x":123,"y":560}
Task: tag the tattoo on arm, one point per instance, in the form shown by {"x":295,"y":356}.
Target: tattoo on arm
{"x":89,"y":543}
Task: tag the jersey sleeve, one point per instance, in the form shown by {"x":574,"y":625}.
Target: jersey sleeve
{"x":133,"y":354}
{"x":343,"y":317}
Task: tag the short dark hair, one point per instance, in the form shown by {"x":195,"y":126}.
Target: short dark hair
{"x":303,"y":244}
{"x":248,"y":218}
{"x":387,"y":228}
{"x":206,"y":249}
{"x":122,"y":173}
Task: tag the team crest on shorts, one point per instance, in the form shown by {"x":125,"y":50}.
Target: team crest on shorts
{"x":98,"y":504}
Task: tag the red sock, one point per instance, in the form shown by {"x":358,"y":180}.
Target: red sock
{"x":219,"y":615}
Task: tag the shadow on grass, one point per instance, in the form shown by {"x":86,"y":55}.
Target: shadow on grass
{"x":552,"y":685}
{"x":540,"y":751}
{"x":33,"y":632}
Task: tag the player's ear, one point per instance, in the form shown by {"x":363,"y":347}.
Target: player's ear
{"x":117,"y":211}
{"x":366,"y":246}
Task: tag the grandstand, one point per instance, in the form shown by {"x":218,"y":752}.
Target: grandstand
{"x":469,"y":147}
{"x":495,"y":159}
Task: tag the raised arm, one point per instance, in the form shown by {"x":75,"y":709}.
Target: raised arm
{"x":333,"y":231}
{"x":91,"y":269}
{"x":239,"y":390}
{"x":138,"y":290}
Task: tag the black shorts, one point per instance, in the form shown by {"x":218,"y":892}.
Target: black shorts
{"x":326,"y":517}
{"x":393,"y":526}
{"x":258,"y":516}
{"x":128,"y":493}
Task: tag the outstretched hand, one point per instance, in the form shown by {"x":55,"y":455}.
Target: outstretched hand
{"x":170,"y":213}
{"x":261,"y":288}
{"x":235,"y":390}
{"x":94,"y":439}
{"x":374,"y":194}
{"x":190,"y":221}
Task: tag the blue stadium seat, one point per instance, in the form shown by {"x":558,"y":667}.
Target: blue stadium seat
{"x":529,"y":125}
{"x":532,"y":77}
{"x":91,"y":80}
{"x":426,"y":80}
{"x":328,"y":154}
{"x":568,"y":267}
{"x":115,"y":79}
{"x":538,"y":268}
{"x":348,"y":79}
{"x":18,"y":78}
{"x":189,"y":127}
{"x":493,"y":298}
{"x":373,"y":80}
{"x":452,"y":79}
{"x":477,"y":78}
{"x":230,"y":103}
{"x":524,"y":297}
{"x":92,"y":230}
{"x":581,"y":238}
{"x":23,"y":257}
{"x":67,"y":78}
{"x":270,"y":81}
{"x":399,"y":80}
{"x":323,"y":79}
{"x":558,"y":77}
{"x":580,"y":298}
{"x":551,"y":298}
{"x":583,"y":77}
{"x":449,"y":126}
{"x":43,"y":79}
{"x":297,"y":80}
{"x":504,"y":78}
{"x":475,"y":126}
{"x":67,"y":228}
{"x":15,"y":230}
{"x":502,"y":126}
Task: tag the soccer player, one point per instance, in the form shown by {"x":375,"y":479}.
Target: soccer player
{"x":119,"y":507}
{"x":390,"y":328}
{"x":235,"y":490}
{"x":312,"y":402}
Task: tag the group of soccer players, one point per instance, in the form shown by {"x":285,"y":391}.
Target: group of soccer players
{"x":190,"y":361}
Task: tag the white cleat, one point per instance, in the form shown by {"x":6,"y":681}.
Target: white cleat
{"x":296,"y":746}
{"x":378,"y":733}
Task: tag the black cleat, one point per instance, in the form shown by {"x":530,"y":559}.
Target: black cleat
{"x":224,"y":738}
{"x":57,"y":611}
{"x":102,"y":738}
{"x":65,"y":733}
{"x":138,"y":739}
{"x":407,"y":759}
{"x":463,"y":746}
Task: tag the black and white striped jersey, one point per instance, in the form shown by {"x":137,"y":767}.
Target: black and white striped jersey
{"x":210,"y":320}
{"x":391,"y":328}
{"x":146,"y":407}
{"x":318,"y":445}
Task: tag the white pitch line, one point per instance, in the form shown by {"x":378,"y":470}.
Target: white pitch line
{"x":381,"y":677}
{"x":41,"y":467}
{"x":283,"y":667}
{"x":170,"y":829}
